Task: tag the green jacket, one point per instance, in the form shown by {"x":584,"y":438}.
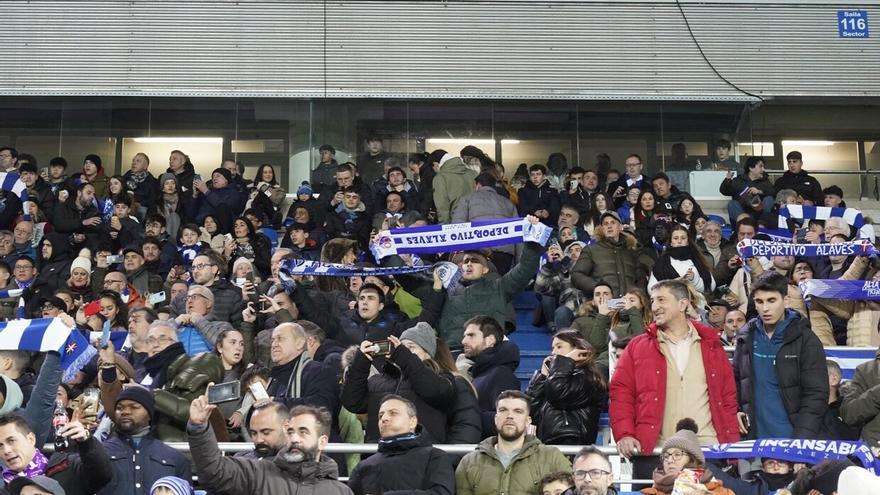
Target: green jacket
{"x":619,"y":264}
{"x":487,"y":297}
{"x":452,"y":182}
{"x":630,"y":325}
{"x":188,"y":378}
{"x":861,"y":400}
{"x":594,"y":327}
{"x":481,"y":472}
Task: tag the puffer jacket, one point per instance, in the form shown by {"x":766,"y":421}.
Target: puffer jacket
{"x":187,"y":379}
{"x":405,"y":464}
{"x":493,"y":372}
{"x":228,"y":303}
{"x":636,"y":405}
{"x":861,"y":400}
{"x":735,"y":187}
{"x":800,"y":370}
{"x":404,"y":374}
{"x":485,"y":204}
{"x":223,"y":474}
{"x":533,"y":198}
{"x":463,"y":421}
{"x":452,"y":182}
{"x":618,"y":263}
{"x":481,"y":472}
{"x":566,"y":404}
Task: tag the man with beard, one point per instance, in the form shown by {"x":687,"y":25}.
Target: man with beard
{"x":300,"y":463}
{"x":592,"y":473}
{"x":511,"y":462}
{"x":137,"y":456}
{"x":78,"y":216}
{"x":209,"y":268}
{"x":266,"y":427}
{"x":406,"y":461}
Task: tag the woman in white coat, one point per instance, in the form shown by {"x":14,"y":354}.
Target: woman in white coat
{"x":682,"y":260}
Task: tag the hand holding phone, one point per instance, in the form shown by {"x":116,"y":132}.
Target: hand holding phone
{"x":224,"y":392}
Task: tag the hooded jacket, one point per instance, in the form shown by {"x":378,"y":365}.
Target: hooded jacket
{"x":481,"y":472}
{"x":533,"y":198}
{"x":406,"y":464}
{"x":493,"y":372}
{"x":801,"y":373}
{"x":802,"y":183}
{"x":618,"y":263}
{"x":222,"y":474}
{"x":452,"y":182}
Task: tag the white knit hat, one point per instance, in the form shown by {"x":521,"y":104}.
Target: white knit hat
{"x":856,"y":481}
{"x":83,"y":261}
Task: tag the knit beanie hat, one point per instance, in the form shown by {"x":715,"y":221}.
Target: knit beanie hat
{"x":855,"y":481}
{"x":424,"y":336}
{"x":177,"y":485}
{"x":167,"y":176}
{"x":685,"y":439}
{"x":225,"y":173}
{"x":94,"y":159}
{"x":140,"y":395}
{"x":83,"y":261}
{"x":305,"y":188}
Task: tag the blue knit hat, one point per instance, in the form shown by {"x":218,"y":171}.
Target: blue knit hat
{"x":305,"y":188}
{"x":177,"y":485}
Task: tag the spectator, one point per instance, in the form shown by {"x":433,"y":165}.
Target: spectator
{"x":237,"y":183}
{"x":486,"y":204}
{"x":559,"y":299}
{"x":221,"y":200}
{"x":774,"y":475}
{"x":409,"y":373}
{"x":860,"y":406}
{"x":266,"y":195}
{"x":137,"y":274}
{"x":350,"y":219}
{"x":371,"y":163}
{"x":8,"y":159}
{"x":733,"y":321}
{"x":570,"y":218}
{"x":495,"y":360}
{"x":452,"y":182}
{"x":556,"y":171}
{"x":601,"y":203}
{"x":798,"y":179}
{"x":666,"y":194}
{"x":723,"y":159}
{"x":592,"y":473}
{"x":78,"y":217}
{"x":833,"y":428}
{"x":301,"y":463}
{"x":198,"y":327}
{"x":688,"y":211}
{"x":626,"y":209}
{"x":142,"y":183}
{"x":57,"y":178}
{"x":684,"y":465}
{"x":568,"y":392}
{"x":93,"y":173}
{"x":301,"y":243}
{"x":614,"y":259}
{"x":138,"y":348}
{"x":139,"y":458}
{"x":346,"y":177}
{"x":681,"y":260}
{"x":779,"y":359}
{"x":820,"y":478}
{"x":84,"y":469}
{"x":180,"y":165}
{"x":693,"y":371}
{"x":538,"y":197}
{"x":718,"y":253}
{"x":633,"y":317}
{"x":39,"y":191}
{"x":834,"y":197}
{"x":247,"y":243}
{"x":580,"y":197}
{"x":324,"y":174}
{"x":266,"y":427}
{"x":633,"y":177}
{"x":172,"y":485}
{"x":208,"y":269}
{"x":295,"y":379}
{"x":594,"y":324}
{"x":556,"y":483}
{"x":406,"y":461}
{"x":751,"y":192}
{"x":511,"y":462}
{"x":171,"y":204}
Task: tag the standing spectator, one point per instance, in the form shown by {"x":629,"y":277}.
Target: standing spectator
{"x":751,"y":192}
{"x":723,"y":160}
{"x":580,"y":197}
{"x":295,"y":379}
{"x":718,"y":253}
{"x":733,"y":321}
{"x":666,"y":194}
{"x":860,"y":406}
{"x":39,"y":191}
{"x":681,"y":260}
{"x":266,"y":195}
{"x":346,"y":177}
{"x":594,"y":324}
{"x":371,"y":163}
{"x":324,"y":175}
{"x":511,"y":462}
{"x":249,"y":244}
{"x":221,"y":200}
{"x":559,"y":299}
{"x":614,"y":259}
{"x":633,"y":177}
{"x":495,"y":361}
{"x":138,"y":457}
{"x":198,"y":328}
{"x":774,"y":475}
{"x":798,"y":179}
{"x":779,"y":365}
{"x":452,"y":182}
{"x":538,"y":197}
{"x":145,"y":281}
{"x":266,"y":427}
{"x":78,"y":216}
{"x":691,"y":376}
{"x":557,"y":171}
{"x":568,"y":392}
{"x":300,"y":464}
{"x":486,"y":204}
{"x":93,"y":173}
{"x":406,"y":461}
{"x":183,"y":170}
{"x":592,"y":473}
{"x":8,"y":159}
{"x":833,"y":428}
{"x":142,"y":183}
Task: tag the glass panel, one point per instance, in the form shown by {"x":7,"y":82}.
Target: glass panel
{"x":86,"y":124}
{"x":529,"y":132}
{"x":829,"y":155}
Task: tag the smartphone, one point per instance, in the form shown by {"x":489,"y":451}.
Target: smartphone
{"x":572,"y":184}
{"x":381,"y":348}
{"x":92,"y":308}
{"x":258,"y":391}
{"x":91,"y":396}
{"x":747,"y":422}
{"x":115,"y":258}
{"x":224,"y":392}
{"x":157,"y":298}
{"x":239,"y":281}
{"x":264,"y":306}
{"x":105,"y":334}
{"x":802,"y":235}
{"x":616,"y":303}
{"x":197,"y":177}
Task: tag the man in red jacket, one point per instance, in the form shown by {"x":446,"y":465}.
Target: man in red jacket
{"x":683,"y":371}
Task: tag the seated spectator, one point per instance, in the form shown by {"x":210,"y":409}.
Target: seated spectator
{"x":723,"y":160}
{"x":718,"y":253}
{"x":494,"y":362}
{"x":16,"y":366}
{"x":221,"y":200}
{"x":684,"y":465}
{"x":751,"y":192}
{"x":211,"y":234}
{"x":78,"y":217}
{"x":486,"y":204}
{"x":559,"y":299}
{"x":262,"y":225}
{"x":401,"y":371}
{"x":145,"y":281}
{"x":633,"y":177}
{"x":633,"y":317}
{"x":806,"y":186}
{"x":774,"y":475}
{"x":580,"y":197}
{"x":209,"y":270}
{"x":198,"y":328}
{"x":123,"y":228}
{"x":247,"y":243}
{"x":295,"y":379}
{"x":538,"y":197}
{"x":796,"y":385}
{"x":834,"y":197}
{"x":265,"y":194}
{"x":139,"y":457}
{"x":682,"y":260}
{"x":171,"y":204}
{"x":556,"y":483}
{"x":613,"y":259}
{"x":511,"y":462}
{"x":833,"y":428}
{"x":688,"y":210}
{"x":625,"y":210}
{"x":84,"y":469}
{"x":406,"y":460}
{"x":568,"y":393}
{"x":23,"y":239}
{"x":350,"y":219}
{"x":666,"y":194}
{"x":39,"y":191}
{"x":300,"y":464}
{"x":601,"y":203}
{"x":591,"y":473}
{"x":570,"y":218}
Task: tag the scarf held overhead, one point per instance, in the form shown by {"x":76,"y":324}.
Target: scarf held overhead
{"x":750,"y":248}
{"x":853,"y":290}
{"x":795,"y":450}
{"x":459,"y":236}
{"x":48,"y":334}
{"x":851,"y":216}
{"x":302,"y":267}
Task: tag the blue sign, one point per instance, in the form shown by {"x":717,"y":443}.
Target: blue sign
{"x":852,"y":23}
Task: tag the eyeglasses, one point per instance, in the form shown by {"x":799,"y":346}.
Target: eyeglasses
{"x":202,"y":266}
{"x":674,"y":455}
{"x":193,"y":296}
{"x":592,"y":473}
{"x":162,"y":339}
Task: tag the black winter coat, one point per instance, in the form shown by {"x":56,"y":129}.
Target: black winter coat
{"x":135,"y":470}
{"x":42,"y":195}
{"x":404,"y":374}
{"x":802,"y":183}
{"x":464,"y":423}
{"x":533,"y":198}
{"x":84,"y":470}
{"x":801,"y":372}
{"x":493,"y":372}
{"x":566,"y":404}
{"x":146,"y":192}
{"x":68,"y":220}
{"x":404,"y":465}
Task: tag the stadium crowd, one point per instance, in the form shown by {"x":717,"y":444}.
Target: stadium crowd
{"x":181,"y":283}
